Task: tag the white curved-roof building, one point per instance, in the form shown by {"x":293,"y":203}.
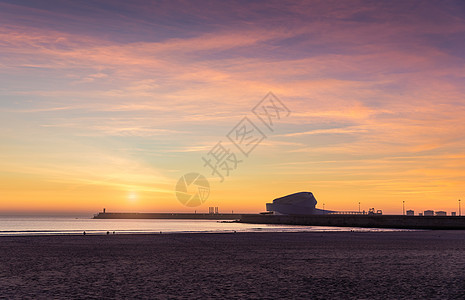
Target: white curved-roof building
{"x":302,"y":203}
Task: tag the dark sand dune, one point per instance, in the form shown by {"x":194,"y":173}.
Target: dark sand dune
{"x":385,"y":265}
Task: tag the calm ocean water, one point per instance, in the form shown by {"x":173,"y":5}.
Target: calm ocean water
{"x":73,"y":225}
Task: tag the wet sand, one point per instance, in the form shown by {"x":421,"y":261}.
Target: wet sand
{"x":330,"y":265}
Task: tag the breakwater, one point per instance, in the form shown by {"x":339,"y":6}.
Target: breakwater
{"x":371,"y":221}
{"x":188,"y":216}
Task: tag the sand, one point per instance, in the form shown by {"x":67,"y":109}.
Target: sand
{"x":331,"y":265}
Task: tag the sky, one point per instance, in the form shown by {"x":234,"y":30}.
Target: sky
{"x":109,"y":103}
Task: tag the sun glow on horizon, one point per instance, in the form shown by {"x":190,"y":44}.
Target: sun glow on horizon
{"x":132,"y":197}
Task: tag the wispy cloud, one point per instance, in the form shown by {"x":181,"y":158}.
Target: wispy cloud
{"x":376,"y":81}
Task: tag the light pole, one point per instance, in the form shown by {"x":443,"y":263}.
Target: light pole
{"x":359,"y":207}
{"x":403,"y":208}
{"x":460,"y":209}
{"x":323,"y":206}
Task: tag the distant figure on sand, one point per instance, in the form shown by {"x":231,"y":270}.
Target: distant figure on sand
{"x":84,"y":233}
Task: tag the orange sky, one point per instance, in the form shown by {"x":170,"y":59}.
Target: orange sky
{"x":108,"y":104}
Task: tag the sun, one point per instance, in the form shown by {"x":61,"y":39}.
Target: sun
{"x":132,"y":196}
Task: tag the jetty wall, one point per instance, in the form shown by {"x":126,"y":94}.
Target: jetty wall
{"x":371,"y":221}
{"x":189,"y":216}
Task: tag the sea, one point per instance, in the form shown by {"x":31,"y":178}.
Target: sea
{"x":77,"y":225}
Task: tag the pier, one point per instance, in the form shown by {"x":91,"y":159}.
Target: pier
{"x":369,"y":221}
{"x":187,"y":216}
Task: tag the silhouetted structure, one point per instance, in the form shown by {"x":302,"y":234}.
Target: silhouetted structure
{"x":410,"y":212}
{"x":302,"y":203}
{"x":428,"y":213}
{"x":213,"y":210}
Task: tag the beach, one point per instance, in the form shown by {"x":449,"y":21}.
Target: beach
{"x":316,"y":265}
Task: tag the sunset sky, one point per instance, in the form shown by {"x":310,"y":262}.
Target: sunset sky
{"x":109,"y":103}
